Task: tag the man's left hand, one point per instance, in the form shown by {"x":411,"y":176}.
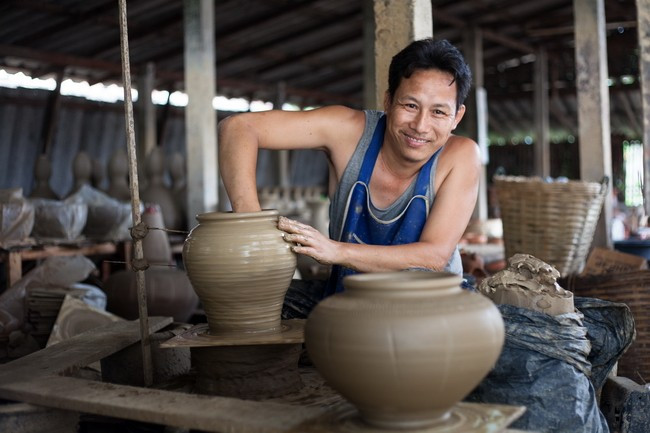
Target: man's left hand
{"x":309,"y":241}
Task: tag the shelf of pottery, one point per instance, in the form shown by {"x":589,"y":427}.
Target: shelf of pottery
{"x":91,"y":219}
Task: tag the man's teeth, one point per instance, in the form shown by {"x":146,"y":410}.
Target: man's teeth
{"x":417,"y":139}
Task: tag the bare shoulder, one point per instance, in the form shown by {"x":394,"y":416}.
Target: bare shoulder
{"x":461,"y":157}
{"x":460,"y":150}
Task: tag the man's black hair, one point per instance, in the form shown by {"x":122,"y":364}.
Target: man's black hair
{"x":431,"y":54}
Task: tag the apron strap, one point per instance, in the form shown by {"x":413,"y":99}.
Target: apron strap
{"x":370,"y":157}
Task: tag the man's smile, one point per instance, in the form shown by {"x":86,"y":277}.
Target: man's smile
{"x":415,"y":140}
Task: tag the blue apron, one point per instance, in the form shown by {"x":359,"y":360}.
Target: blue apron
{"x":361,"y":226}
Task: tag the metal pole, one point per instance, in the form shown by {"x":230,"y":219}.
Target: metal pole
{"x":139,"y":264}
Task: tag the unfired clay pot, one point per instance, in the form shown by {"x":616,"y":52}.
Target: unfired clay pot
{"x":404,"y":347}
{"x":169,"y":293}
{"x":240,"y":267}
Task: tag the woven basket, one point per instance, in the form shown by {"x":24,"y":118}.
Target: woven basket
{"x":554,"y":222}
{"x":633,"y":289}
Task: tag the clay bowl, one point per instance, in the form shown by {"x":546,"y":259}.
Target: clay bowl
{"x":59,"y":220}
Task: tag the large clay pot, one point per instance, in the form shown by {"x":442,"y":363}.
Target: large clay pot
{"x":240,"y":267}
{"x":404,"y":347}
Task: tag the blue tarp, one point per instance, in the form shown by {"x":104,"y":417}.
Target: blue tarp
{"x":546,"y":365}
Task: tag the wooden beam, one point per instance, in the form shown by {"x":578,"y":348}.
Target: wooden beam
{"x":487,"y":34}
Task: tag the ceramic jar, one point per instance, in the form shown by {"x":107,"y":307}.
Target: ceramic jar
{"x":240,"y":267}
{"x":404,"y":347}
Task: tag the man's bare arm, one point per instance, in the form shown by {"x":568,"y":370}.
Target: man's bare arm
{"x":330,"y":129}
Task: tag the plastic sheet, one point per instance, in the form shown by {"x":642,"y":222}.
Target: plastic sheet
{"x":108,"y":218}
{"x":16,"y":216}
{"x":544,"y":366}
{"x":54,"y":272}
{"x":55,"y":219}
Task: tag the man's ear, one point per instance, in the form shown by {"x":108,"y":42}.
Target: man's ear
{"x":459,"y":116}
{"x":387,"y":100}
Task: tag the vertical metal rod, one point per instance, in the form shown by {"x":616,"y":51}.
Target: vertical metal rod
{"x":135,"y":198}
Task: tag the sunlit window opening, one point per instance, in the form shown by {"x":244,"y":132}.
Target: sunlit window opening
{"x":633,"y":165}
{"x":114,"y":93}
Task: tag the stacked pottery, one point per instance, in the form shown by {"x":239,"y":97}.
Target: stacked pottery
{"x":404,"y":347}
{"x":240,"y":267}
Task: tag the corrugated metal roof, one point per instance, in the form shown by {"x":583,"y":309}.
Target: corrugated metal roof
{"x":313,"y":47}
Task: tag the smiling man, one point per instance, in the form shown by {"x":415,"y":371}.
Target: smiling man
{"x":403,"y":187}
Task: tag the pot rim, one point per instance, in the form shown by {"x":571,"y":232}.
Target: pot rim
{"x":407,"y":280}
{"x":221,"y":216}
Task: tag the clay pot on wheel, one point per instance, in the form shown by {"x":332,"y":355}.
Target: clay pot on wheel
{"x":240,"y":267}
{"x":404,"y":347}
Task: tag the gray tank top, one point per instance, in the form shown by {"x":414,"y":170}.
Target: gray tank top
{"x":350,"y":176}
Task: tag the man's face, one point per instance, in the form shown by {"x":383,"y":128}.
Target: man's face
{"x":422,"y":114}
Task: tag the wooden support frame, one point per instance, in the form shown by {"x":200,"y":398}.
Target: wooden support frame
{"x":42,"y":378}
{"x":14,"y":257}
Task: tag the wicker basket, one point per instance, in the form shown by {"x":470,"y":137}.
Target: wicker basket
{"x":633,"y":289}
{"x":554,"y":222}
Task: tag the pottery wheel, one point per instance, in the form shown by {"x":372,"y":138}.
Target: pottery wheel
{"x":464,"y":418}
{"x":291,"y":332}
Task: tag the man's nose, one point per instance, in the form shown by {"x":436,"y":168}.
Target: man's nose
{"x":419,"y":121}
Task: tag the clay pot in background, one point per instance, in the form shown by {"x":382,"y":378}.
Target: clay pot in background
{"x":169,"y":293}
{"x":241,"y":267}
{"x":157,"y":192}
{"x":42,"y":174}
{"x":404,"y":347}
{"x":155,"y":246}
{"x":118,"y":175}
{"x":82,"y":167}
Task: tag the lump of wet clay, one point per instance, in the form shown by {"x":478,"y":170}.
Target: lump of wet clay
{"x":529,"y":283}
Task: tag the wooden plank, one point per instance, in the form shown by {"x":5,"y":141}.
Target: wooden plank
{"x":14,"y":268}
{"x":207,"y":413}
{"x":57,"y":250}
{"x":78,"y":351}
{"x":35,"y":379}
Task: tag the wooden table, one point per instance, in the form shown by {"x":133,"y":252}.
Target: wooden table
{"x":14,"y":256}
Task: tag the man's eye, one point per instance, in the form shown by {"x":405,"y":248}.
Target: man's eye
{"x":439,"y":113}
{"x":410,"y":106}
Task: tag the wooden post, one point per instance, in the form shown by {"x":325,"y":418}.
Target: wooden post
{"x":139,"y":262}
{"x":593,"y":104}
{"x":51,"y":114}
{"x":200,"y":115}
{"x":476,"y":117}
{"x":542,"y":134}
{"x":282,"y":156}
{"x":396,"y":24}
{"x":149,"y":109}
{"x":643,"y":28}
